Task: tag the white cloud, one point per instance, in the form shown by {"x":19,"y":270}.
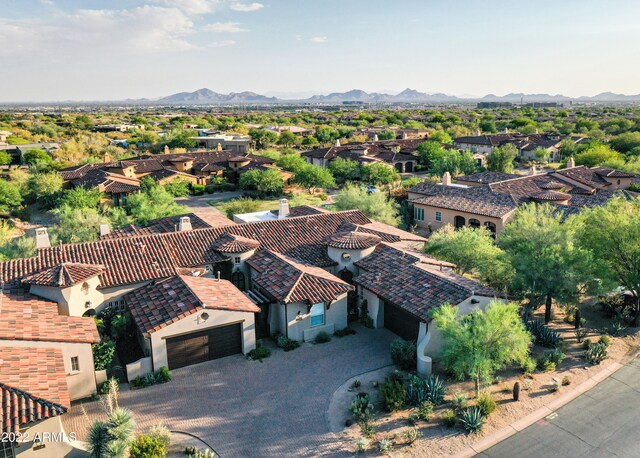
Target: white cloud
{"x":322,"y":39}
{"x":142,"y":29}
{"x":298,"y":37}
{"x":224,"y":27}
{"x":192,"y":7}
{"x":221,"y":44}
{"x":246,"y":7}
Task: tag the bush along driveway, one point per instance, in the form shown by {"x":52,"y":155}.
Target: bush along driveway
{"x":243,"y":408}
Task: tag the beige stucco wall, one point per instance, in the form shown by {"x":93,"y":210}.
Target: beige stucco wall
{"x":72,"y":300}
{"x":375,"y":307}
{"x":193,"y":323}
{"x":301,"y":330}
{"x":81,"y":384}
{"x":448,"y":217}
{"x":115,"y":293}
{"x":57,"y":442}
{"x":356,"y":255}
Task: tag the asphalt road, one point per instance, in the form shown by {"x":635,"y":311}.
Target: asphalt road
{"x":603,"y":422}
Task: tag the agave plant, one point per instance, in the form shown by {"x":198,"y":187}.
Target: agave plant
{"x":472,"y":419}
{"x":435,"y":388}
{"x":543,"y":335}
{"x":417,"y":391}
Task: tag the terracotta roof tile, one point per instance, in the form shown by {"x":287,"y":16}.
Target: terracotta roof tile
{"x":33,"y":386}
{"x":64,"y":275}
{"x":352,"y":240}
{"x":24,"y":316}
{"x":157,"y":305}
{"x":289,"y":281}
{"x":157,"y":226}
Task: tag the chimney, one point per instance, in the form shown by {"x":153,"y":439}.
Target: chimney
{"x":337,"y":143}
{"x":375,"y":137}
{"x":478,"y":132}
{"x":42,"y":238}
{"x":106,"y":158}
{"x":166,"y":149}
{"x":571,"y":163}
{"x":104,"y":229}
{"x":506,"y":130}
{"x":405,"y":136}
{"x":532,"y":170}
{"x":537,"y":132}
{"x":283,"y":208}
{"x":185,"y":223}
{"x":446,"y":179}
{"x":219,"y":147}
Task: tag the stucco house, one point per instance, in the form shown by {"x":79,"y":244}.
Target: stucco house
{"x":490,"y":199}
{"x":400,"y":154}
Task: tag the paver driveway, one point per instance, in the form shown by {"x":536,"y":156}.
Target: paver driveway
{"x":247,"y":408}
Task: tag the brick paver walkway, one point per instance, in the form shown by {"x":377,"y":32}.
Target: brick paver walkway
{"x":250,"y":409}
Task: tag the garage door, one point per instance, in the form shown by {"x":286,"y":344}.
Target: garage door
{"x":401,"y":322}
{"x":203,"y":346}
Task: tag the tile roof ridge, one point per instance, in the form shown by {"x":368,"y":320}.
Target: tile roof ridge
{"x":287,"y":298}
{"x":60,"y":407}
{"x":179,"y":277}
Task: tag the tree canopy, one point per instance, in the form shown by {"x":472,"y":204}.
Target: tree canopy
{"x":153,"y":203}
{"x":548,"y":263}
{"x":501,"y":159}
{"x":376,"y":206}
{"x":596,"y":155}
{"x":480,"y":343}
{"x":344,"y":169}
{"x":612,"y":234}
{"x":312,"y":177}
{"x":265,"y":182}
{"x":10,"y":197}
{"x":379,"y":174}
{"x":35,"y":155}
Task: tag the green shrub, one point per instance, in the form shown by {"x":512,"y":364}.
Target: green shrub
{"x":161,"y":433}
{"x":424,"y":411}
{"x":581,"y":333}
{"x":546,"y":365}
{"x":362,"y":408}
{"x":287,"y":344}
{"x":344,"y":332}
{"x":385,"y":445}
{"x":606,"y":340}
{"x":162,"y":375}
{"x":322,"y":337}
{"x":146,"y":446}
{"x":472,"y":419}
{"x":449,"y":419}
{"x":460,"y":400}
{"x":198,"y":189}
{"x":486,"y":403}
{"x":103,"y":354}
{"x":367,"y":430}
{"x":412,"y":435}
{"x":259,"y":353}
{"x":393,"y":394}
{"x":403,"y":354}
{"x":543,"y":335}
{"x":596,"y":353}
{"x":566,"y":380}
{"x":362,"y":445}
{"x":557,"y":356}
{"x":528,"y":365}
{"x":103,"y":388}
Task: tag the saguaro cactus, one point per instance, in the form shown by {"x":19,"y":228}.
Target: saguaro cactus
{"x":516,"y":391}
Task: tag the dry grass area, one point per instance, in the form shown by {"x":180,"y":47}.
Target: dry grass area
{"x":537,"y":390}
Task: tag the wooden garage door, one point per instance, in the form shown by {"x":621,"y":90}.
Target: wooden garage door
{"x":401,"y":322}
{"x":203,"y":346}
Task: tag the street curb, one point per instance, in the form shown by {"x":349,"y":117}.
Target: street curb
{"x":537,"y":415}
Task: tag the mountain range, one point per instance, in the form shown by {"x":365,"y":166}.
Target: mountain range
{"x":208,"y":97}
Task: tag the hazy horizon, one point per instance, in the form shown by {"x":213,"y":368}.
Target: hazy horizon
{"x":100,"y":50}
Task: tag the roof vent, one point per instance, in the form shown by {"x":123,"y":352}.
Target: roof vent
{"x":42,"y":238}
{"x":337,"y":143}
{"x":185,"y":223}
{"x":446,"y":179}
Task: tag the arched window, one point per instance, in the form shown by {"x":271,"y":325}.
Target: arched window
{"x":459,"y":222}
{"x":237,"y":278}
{"x":399,"y":167}
{"x":408,"y":167}
{"x":85,"y":287}
{"x":346,"y":275}
{"x":90,"y":312}
{"x":492,"y":228}
{"x":474,"y":223}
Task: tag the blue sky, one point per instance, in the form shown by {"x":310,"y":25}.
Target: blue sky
{"x":96,"y":50}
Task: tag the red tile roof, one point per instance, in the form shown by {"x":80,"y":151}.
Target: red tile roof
{"x":33,"y":386}
{"x":158,"y":226}
{"x":64,"y":275}
{"x":24,"y":316}
{"x":289,"y":281}
{"x":404,"y":280}
{"x":352,"y":240}
{"x":231,"y":243}
{"x":159,"y":304}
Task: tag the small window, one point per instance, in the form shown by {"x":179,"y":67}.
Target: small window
{"x":237,"y":260}
{"x":85,"y":287}
{"x":317,"y":314}
{"x":75,"y":364}
{"x":346,"y":256}
{"x":418,"y":214}
{"x":6,"y":449}
{"x":474,"y":223}
{"x":438,"y":216}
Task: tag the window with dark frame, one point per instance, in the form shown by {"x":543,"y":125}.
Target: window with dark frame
{"x":75,"y":364}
